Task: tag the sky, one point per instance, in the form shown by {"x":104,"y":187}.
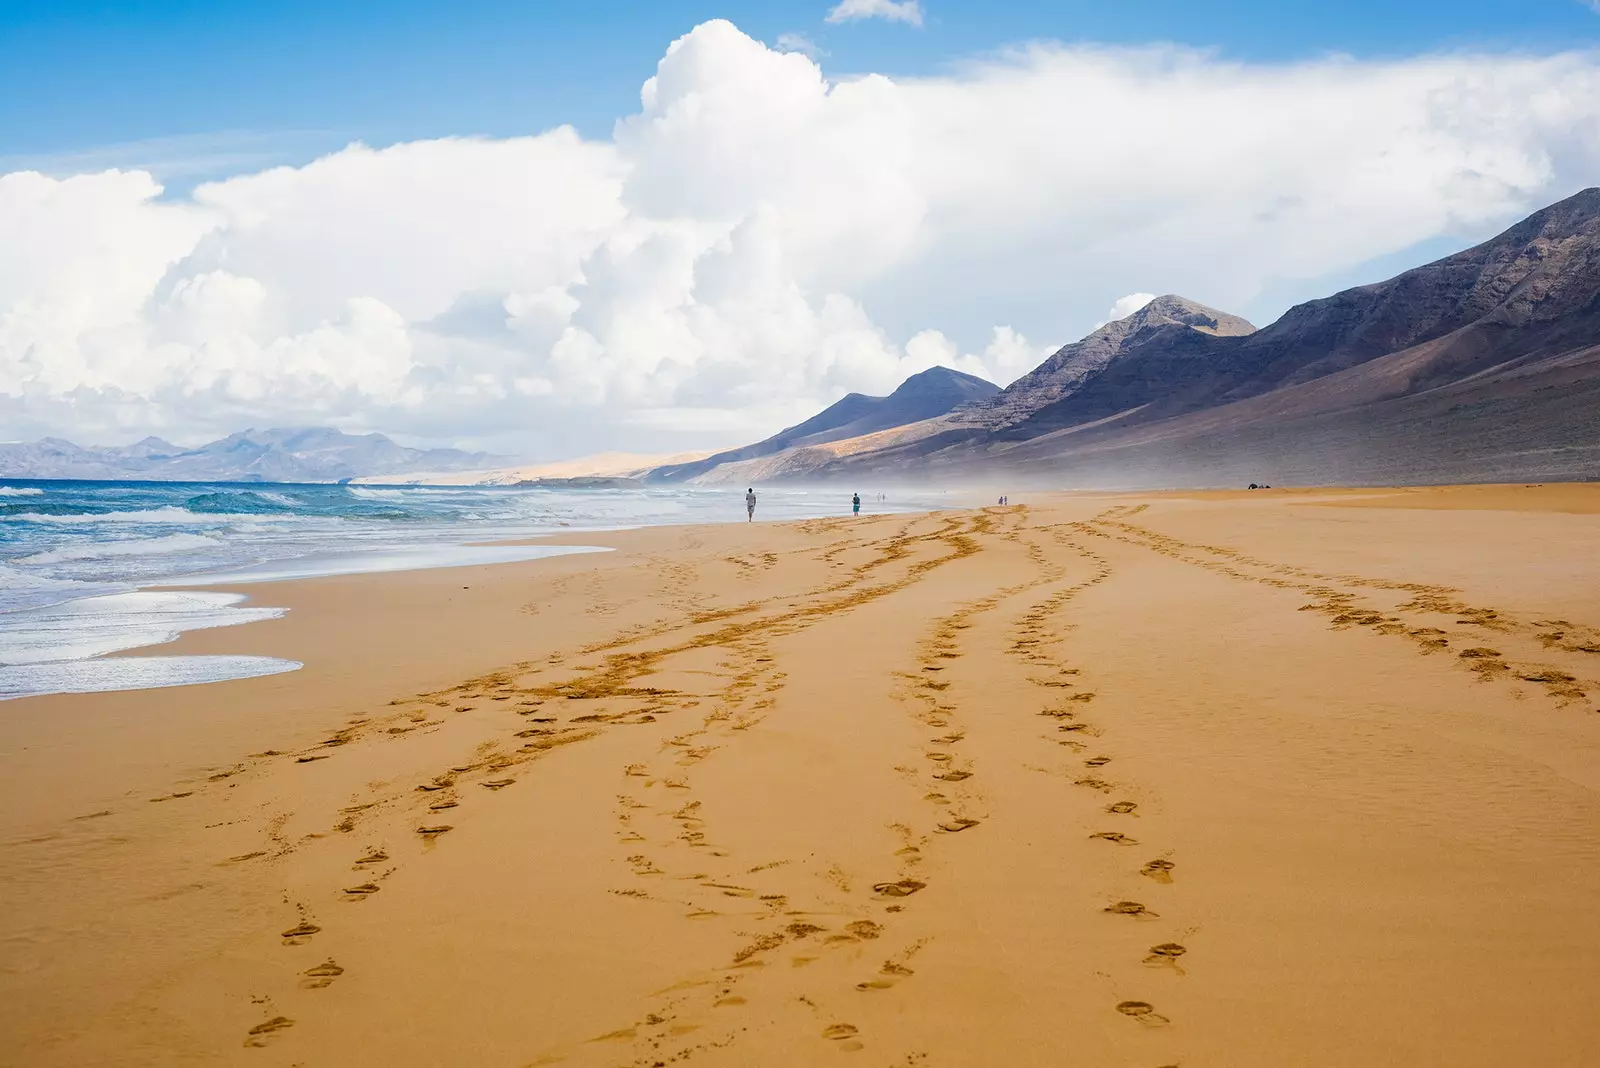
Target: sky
{"x":555,"y":229}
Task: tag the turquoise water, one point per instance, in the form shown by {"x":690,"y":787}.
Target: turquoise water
{"x":89,"y":569}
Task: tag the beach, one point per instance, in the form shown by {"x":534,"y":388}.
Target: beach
{"x":1195,"y":779}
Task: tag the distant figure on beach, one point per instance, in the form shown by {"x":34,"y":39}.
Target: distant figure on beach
{"x":855,"y":504}
{"x":750,"y":504}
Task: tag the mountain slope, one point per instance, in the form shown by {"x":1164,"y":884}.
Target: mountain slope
{"x":305,"y":454}
{"x":930,"y":393}
{"x":1169,"y":322}
{"x":1463,"y":368}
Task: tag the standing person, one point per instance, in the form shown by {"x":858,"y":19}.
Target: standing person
{"x":750,"y":504}
{"x":855,"y":504}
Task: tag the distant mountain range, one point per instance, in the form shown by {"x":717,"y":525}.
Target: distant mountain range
{"x":922,"y":396}
{"x":1483,"y":366}
{"x":306,"y":454}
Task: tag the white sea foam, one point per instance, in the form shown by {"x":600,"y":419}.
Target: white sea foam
{"x":133,"y":673}
{"x":105,"y":550}
{"x":21,"y":491}
{"x":95,"y":626}
{"x":420,"y":558}
{"x":157,"y":516}
{"x":367,"y":493}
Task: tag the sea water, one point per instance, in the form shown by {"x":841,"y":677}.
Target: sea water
{"x":90,"y":569}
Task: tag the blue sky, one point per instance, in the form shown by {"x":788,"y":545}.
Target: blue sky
{"x":207,"y":86}
{"x":226,"y":214}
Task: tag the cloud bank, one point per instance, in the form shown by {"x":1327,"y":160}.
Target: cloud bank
{"x":908,"y":11}
{"x":753,"y":242}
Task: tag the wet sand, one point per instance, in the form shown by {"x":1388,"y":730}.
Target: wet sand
{"x":1284,"y":778}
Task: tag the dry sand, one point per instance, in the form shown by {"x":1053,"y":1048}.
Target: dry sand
{"x":1195,"y":780}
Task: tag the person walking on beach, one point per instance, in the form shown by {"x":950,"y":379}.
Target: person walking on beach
{"x":750,"y":504}
{"x":855,"y":504}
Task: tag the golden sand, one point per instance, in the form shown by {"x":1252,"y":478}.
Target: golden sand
{"x":1195,"y":780}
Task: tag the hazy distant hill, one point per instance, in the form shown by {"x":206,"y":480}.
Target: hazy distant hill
{"x":932,"y":392}
{"x":306,"y":454}
{"x":1484,"y":365}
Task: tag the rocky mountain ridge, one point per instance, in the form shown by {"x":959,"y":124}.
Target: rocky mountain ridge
{"x":1484,"y":365}
{"x":299,"y":454}
{"x":925,"y":395}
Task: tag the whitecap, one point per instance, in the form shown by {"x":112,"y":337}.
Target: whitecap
{"x":133,"y":673}
{"x":21,"y":491}
{"x":95,"y":626}
{"x":105,"y":550}
{"x":154,"y":516}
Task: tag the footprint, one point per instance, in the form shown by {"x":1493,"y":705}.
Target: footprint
{"x":299,"y":933}
{"x":866,"y":929}
{"x":431,"y":832}
{"x":956,"y":825}
{"x":1165,"y":953}
{"x":903,"y":888}
{"x":1115,"y":836}
{"x":262,"y":1031}
{"x":1122,"y":807}
{"x":1130,"y":908}
{"x":363,"y":890}
{"x":440,"y":806}
{"x":322,"y":975}
{"x":839,"y":1031}
{"x":1159,"y":870}
{"x":1097,"y":762}
{"x":374,"y":857}
{"x":953,"y":775}
{"x":1142,"y":1011}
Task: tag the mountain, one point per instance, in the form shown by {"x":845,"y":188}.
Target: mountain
{"x":930,"y":393}
{"x":1482,"y":366}
{"x":306,"y":454}
{"x":1166,"y":322}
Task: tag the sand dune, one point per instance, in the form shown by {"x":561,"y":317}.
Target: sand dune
{"x":1187,"y":780}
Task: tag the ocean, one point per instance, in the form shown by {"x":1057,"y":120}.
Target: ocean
{"x":89,"y":569}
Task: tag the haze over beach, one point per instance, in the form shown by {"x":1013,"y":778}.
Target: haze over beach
{"x":913,"y":533}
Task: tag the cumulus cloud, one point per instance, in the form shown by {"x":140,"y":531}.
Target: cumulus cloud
{"x":908,"y":11}
{"x":799,"y":42}
{"x":1124,"y":307}
{"x":752,"y":242}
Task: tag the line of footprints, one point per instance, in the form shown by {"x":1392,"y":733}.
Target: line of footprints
{"x":1033,"y":646}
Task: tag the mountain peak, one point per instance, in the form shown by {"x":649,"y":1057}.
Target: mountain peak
{"x":944,"y":380}
{"x":1172,"y":309}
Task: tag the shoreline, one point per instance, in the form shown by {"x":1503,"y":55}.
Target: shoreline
{"x":762,"y":794}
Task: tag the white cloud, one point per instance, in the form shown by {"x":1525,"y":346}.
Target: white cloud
{"x":753,"y":242}
{"x":908,"y":11}
{"x":1124,"y":307}
{"x":799,"y":42}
